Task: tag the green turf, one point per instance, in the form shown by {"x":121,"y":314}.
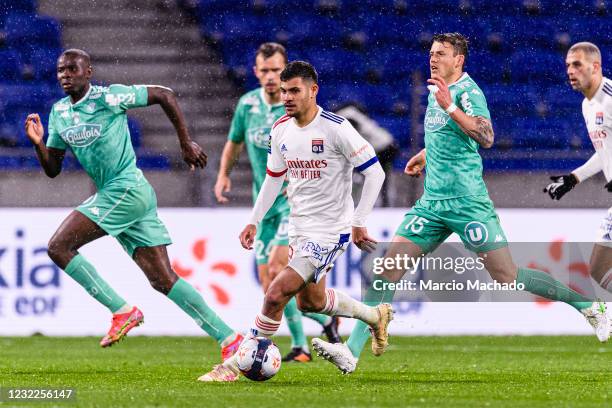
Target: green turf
{"x":416,"y":371}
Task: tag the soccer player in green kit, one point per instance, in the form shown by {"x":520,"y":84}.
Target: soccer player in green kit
{"x":456,"y":200}
{"x":92,"y":122}
{"x":254,"y":116}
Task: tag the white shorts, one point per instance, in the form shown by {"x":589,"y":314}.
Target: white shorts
{"x":312,"y":258}
{"x":604,"y":233}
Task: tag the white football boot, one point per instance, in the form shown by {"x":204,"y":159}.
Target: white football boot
{"x":336,"y":353}
{"x":597,"y":317}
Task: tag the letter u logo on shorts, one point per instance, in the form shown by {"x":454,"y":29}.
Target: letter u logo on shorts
{"x":476,"y":233}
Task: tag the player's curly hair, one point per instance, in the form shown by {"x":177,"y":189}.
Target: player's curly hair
{"x":299,"y":69}
{"x":457,"y":40}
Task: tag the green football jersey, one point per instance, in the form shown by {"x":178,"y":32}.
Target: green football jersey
{"x":95,"y":128}
{"x":454,"y":166}
{"x":251,"y":124}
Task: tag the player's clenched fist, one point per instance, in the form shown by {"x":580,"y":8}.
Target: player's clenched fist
{"x":247,"y":236}
{"x":416,"y":164}
{"x":34,"y":128}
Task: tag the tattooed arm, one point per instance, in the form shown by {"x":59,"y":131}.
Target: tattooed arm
{"x":476,"y":127}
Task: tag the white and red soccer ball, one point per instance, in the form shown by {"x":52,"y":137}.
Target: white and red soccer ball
{"x":258,"y":359}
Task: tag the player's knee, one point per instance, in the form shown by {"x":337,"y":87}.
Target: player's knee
{"x":161,"y":285}
{"x":57,"y":251}
{"x":274,"y":268}
{"x":274,"y":297}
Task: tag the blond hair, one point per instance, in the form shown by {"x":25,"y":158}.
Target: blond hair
{"x":591,"y":51}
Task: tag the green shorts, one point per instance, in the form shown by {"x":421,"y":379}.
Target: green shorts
{"x":272,"y":231}
{"x":129,"y":214}
{"x":473,"y":218}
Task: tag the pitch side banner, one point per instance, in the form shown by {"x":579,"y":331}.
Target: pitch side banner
{"x":37,"y":297}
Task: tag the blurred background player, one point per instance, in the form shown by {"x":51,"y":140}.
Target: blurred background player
{"x":456,"y":199}
{"x":381,"y":140}
{"x":91,"y":121}
{"x":584,"y":69}
{"x":317,"y":151}
{"x":253,"y":118}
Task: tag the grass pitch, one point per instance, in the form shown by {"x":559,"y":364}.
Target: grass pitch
{"x":415,"y":372}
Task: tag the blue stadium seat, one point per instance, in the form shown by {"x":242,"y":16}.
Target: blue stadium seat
{"x":17,"y":6}
{"x":44,"y":62}
{"x":25,"y":95}
{"x":10,"y":66}
{"x":22,"y":29}
{"x":135,"y":132}
{"x":487,"y":66}
{"x":537,"y":66}
{"x":337,"y":63}
{"x":399,"y":127}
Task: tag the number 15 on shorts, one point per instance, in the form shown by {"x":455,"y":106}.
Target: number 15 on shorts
{"x":416,"y":224}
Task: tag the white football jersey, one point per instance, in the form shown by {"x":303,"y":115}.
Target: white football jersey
{"x":597,"y":114}
{"x":318,"y":160}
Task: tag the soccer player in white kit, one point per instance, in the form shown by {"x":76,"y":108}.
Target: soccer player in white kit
{"x":584,"y":70}
{"x":317,"y":152}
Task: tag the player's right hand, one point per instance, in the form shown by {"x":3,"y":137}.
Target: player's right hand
{"x":34,"y":128}
{"x":416,"y":165}
{"x":223,"y":185}
{"x":247,"y":236}
{"x":193,"y":155}
{"x":560,"y":185}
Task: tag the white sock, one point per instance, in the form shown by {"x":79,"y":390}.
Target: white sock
{"x":338,"y":303}
{"x":606,"y":281}
{"x":264,"y":326}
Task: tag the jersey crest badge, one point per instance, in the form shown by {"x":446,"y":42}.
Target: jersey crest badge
{"x":599,"y":118}
{"x":317,"y":146}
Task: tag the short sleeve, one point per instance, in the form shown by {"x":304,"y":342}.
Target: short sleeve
{"x":354,"y":147}
{"x":473,"y":103}
{"x":54,"y":140}
{"x":276,"y":165}
{"x":237,"y":128}
{"x":124,"y":97}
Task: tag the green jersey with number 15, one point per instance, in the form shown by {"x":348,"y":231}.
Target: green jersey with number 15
{"x":454,"y":166}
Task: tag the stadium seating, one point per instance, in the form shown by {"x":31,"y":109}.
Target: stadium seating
{"x":29,"y":50}
{"x":368,"y":52}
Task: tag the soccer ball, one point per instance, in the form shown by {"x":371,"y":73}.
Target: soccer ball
{"x":258,"y":359}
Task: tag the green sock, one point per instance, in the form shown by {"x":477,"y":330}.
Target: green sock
{"x":361,"y":332}
{"x":322,"y":319}
{"x":542,"y":284}
{"x":85,"y":274}
{"x":192,"y":303}
{"x":294,"y":321}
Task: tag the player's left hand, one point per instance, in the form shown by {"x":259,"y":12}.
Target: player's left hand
{"x":363,"y":240}
{"x":442,"y":95}
{"x":561,"y":185}
{"x":608,"y":186}
{"x":247,"y":236}
{"x":193,"y":155}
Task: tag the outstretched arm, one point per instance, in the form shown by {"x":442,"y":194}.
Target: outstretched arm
{"x":165,"y":97}
{"x":50,"y":158}
{"x":477,"y":127}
